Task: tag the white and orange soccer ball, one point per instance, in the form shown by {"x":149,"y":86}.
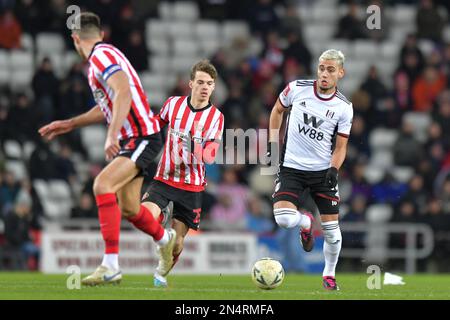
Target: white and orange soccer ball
{"x":267,"y":273}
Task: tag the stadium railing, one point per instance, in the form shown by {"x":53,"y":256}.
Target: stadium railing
{"x":419,"y":242}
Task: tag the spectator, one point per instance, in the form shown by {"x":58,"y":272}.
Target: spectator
{"x":242,"y":76}
{"x":358,"y":209}
{"x":65,"y":168}
{"x":262,"y":102}
{"x":17,"y":228}
{"x":3,"y":125}
{"x":390,"y":110}
{"x":292,"y":71}
{"x":30,"y":15}
{"x":402,"y":93}
{"x":374,"y":86}
{"x":123,"y":26}
{"x":436,"y":153}
{"x":108,"y":10}
{"x":435,"y":59}
{"x":36,"y":208}
{"x":229,"y":212}
{"x":57,"y":16}
{"x":259,"y":216}
{"x":359,"y":139}
{"x":410,"y":47}
{"x":429,"y":22}
{"x":214,"y":9}
{"x":272,"y":52}
{"x":425,"y":168}
{"x":291,"y":23}
{"x":45,"y":88}
{"x":237,"y":51}
{"x":234,"y":107}
{"x":446,"y":62}
{"x":361,"y":106}
{"x":136,"y":50}
{"x":440,"y":223}
{"x":407,"y":150}
{"x":442,"y":115}
{"x":9,"y":189}
{"x":435,"y":134}
{"x":357,"y":213}
{"x":85,"y":208}
{"x":10,"y":31}
{"x":43,"y":162}
{"x":351,"y":26}
{"x":427,"y":88}
{"x":444,"y":196}
{"x":75,"y":99}
{"x":405,"y":212}
{"x":388,"y":190}
{"x":417,"y":195}
{"x":22,"y":120}
{"x":410,"y":66}
{"x":360,"y":186}
{"x":297,"y":50}
{"x":263,"y":18}
{"x":181,"y":87}
{"x":75,"y":94}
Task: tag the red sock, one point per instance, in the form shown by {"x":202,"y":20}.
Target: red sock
{"x":109,"y":216}
{"x":160,"y":218}
{"x":145,"y":222}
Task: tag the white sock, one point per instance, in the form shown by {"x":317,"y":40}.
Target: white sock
{"x":331,"y":246}
{"x":164,"y":240}
{"x":111,"y":261}
{"x":290,"y":218}
{"x":305,"y":222}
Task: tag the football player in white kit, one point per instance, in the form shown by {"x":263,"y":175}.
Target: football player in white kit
{"x":314,"y":148}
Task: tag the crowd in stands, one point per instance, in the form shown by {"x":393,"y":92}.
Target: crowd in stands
{"x":238,"y":198}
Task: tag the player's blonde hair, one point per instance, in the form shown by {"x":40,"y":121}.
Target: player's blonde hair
{"x":333,"y":54}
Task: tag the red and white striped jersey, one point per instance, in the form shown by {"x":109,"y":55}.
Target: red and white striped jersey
{"x":178,"y":167}
{"x":104,"y":61}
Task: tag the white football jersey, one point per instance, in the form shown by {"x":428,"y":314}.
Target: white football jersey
{"x":312,"y":125}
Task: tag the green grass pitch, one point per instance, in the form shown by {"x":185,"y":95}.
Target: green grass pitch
{"x":26,"y":286}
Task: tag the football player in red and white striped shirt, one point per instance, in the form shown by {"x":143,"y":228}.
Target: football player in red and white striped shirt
{"x":195,"y":128}
{"x":132,"y":143}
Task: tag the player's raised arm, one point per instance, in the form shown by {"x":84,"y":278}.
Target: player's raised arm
{"x":60,"y":127}
{"x":121,"y":108}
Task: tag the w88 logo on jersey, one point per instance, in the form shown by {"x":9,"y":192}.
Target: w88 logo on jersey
{"x":311,"y":133}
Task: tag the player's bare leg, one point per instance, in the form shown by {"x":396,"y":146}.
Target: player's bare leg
{"x":166,"y":260}
{"x":287,"y":216}
{"x":119,"y":178}
{"x":331,"y":249}
{"x":112,"y":178}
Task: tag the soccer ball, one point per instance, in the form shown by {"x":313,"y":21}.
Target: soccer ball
{"x":267,"y":273}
